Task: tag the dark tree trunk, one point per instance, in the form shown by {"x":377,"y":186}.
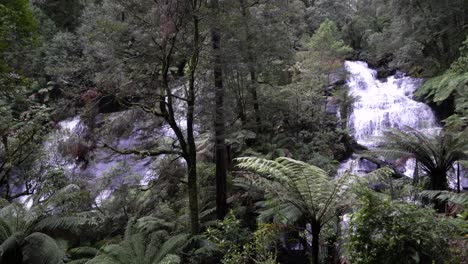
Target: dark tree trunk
{"x":416,"y":174}
{"x":315,"y":242}
{"x":240,"y":101}
{"x":193,"y":196}
{"x":439,"y":180}
{"x":220,"y":131}
{"x":248,"y":49}
{"x":253,"y":91}
{"x":192,"y":149}
{"x":458,"y":178}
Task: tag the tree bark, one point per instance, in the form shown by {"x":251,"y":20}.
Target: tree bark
{"x":192,"y":149}
{"x":248,"y":49}
{"x":416,"y":173}
{"x":219,"y":123}
{"x":315,"y":242}
{"x":253,"y":91}
{"x":458,"y":178}
{"x":439,"y":180}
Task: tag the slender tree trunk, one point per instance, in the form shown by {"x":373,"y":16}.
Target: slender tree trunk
{"x":416,"y":173}
{"x":193,"y":197}
{"x":192,"y":149}
{"x":248,"y":49}
{"x":458,"y":178}
{"x":253,"y":91}
{"x":240,"y":100}
{"x":315,"y":242}
{"x":220,"y":131}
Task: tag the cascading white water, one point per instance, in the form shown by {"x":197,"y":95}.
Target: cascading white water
{"x":383,"y":105}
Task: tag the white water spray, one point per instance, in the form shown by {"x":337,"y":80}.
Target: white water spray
{"x":383,"y":105}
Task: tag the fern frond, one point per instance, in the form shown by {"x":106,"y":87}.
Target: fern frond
{"x":69,"y":223}
{"x":10,"y":245}
{"x":379,"y":175}
{"x":40,"y":248}
{"x":78,"y":261}
{"x":5,"y":230}
{"x":83,"y":252}
{"x":446,"y":196}
{"x":170,"y":259}
{"x":294,"y":189}
{"x":172,"y":245}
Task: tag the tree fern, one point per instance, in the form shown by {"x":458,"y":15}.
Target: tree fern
{"x":40,"y":248}
{"x":435,"y":155}
{"x":296,"y":190}
{"x":140,"y":246}
{"x":446,"y":196}
{"x":23,"y":233}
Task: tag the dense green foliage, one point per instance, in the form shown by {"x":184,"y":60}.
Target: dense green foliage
{"x":386,"y":231}
{"x":451,"y":87}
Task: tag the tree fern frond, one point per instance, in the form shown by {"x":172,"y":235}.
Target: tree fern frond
{"x":69,"y":223}
{"x":172,"y":245}
{"x":446,"y":196}
{"x":151,"y":223}
{"x":83,"y":252}
{"x":10,"y":245}
{"x":5,"y":230}
{"x":79,"y":261}
{"x":40,"y":248}
{"x":170,"y":259}
{"x":379,"y":175}
{"x":294,"y":188}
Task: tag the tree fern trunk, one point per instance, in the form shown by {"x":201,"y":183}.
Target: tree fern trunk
{"x":315,"y":242}
{"x":439,"y":180}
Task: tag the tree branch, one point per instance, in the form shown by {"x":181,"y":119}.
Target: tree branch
{"x":143,"y":153}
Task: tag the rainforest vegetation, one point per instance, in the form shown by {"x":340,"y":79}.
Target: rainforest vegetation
{"x":224,"y":131}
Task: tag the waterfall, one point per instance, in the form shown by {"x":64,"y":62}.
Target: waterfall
{"x":383,"y":105}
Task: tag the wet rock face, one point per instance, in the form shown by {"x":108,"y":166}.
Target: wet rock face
{"x":332,"y":106}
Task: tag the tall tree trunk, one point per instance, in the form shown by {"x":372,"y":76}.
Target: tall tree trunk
{"x":240,"y":100}
{"x":248,"y":49}
{"x":253,"y":91}
{"x":192,"y":149}
{"x":315,"y":242}
{"x":220,"y":131}
{"x":193,"y":197}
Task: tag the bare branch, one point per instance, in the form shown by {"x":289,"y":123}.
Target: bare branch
{"x":143,"y":153}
